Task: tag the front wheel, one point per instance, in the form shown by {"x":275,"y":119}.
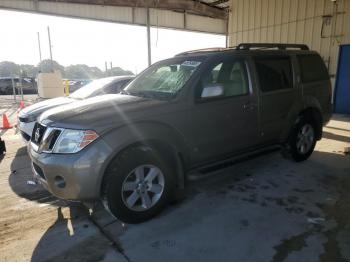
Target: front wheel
{"x":302,"y":141}
{"x":138,"y":185}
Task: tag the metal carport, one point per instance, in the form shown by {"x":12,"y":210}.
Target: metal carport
{"x":209,"y":16}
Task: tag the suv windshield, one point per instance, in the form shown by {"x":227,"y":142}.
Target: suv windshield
{"x":92,"y":88}
{"x":163,"y":80}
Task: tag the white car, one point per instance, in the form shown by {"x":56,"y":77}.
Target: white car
{"x":109,"y":85}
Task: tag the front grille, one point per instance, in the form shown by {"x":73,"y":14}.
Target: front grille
{"x":53,"y":138}
{"x":25,"y":136}
{"x":39,"y":171}
{"x":38,"y":133}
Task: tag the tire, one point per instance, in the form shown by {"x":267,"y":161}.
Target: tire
{"x":302,"y":140}
{"x":123,"y":184}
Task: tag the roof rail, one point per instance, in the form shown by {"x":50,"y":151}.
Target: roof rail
{"x":247,"y":46}
{"x":213,"y":49}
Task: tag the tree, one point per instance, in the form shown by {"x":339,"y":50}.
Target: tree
{"x":45,"y":66}
{"x":82,"y":72}
{"x":9,"y":69}
{"x":117,"y":71}
{"x":29,"y":70}
{"x":79,"y":71}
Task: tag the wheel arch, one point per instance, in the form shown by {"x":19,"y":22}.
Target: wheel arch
{"x":310,"y":107}
{"x":165,"y":140}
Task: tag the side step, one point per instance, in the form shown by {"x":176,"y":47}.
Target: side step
{"x":211,"y":169}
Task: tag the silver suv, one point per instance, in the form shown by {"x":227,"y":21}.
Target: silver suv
{"x":133,"y":150}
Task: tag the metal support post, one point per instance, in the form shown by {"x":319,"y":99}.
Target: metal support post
{"x":149,"y":39}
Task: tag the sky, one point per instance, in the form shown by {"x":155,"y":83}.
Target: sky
{"x":77,"y":41}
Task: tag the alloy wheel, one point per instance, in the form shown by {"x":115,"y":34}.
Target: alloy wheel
{"x":143,"y":187}
{"x":305,"y":138}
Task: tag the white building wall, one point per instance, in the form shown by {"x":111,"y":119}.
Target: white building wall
{"x":321,"y":24}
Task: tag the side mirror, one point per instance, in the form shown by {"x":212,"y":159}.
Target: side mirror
{"x":212,"y":90}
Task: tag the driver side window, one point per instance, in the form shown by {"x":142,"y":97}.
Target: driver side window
{"x":230,"y":74}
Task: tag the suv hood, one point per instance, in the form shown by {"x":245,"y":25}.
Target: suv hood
{"x":35,"y":110}
{"x":101,"y":112}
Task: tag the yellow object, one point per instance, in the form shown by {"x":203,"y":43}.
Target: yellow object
{"x":67,"y":88}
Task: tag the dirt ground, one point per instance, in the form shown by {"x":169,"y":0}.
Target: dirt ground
{"x":264,"y":209}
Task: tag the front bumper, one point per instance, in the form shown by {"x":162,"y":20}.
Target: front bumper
{"x":72,"y":176}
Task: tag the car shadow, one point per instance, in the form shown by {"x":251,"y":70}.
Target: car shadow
{"x":72,"y":237}
{"x":72,"y":226}
{"x":22,"y":183}
{"x":337,"y":137}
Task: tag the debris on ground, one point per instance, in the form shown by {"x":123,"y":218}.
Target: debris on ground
{"x":315,"y":220}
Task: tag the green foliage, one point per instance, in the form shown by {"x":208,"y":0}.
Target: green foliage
{"x":117,"y":71}
{"x":9,"y":69}
{"x":79,"y":71}
{"x":29,"y":70}
{"x":46,"y":66}
{"x":82,"y":72}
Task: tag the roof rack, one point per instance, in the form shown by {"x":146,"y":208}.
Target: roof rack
{"x":213,"y":49}
{"x":248,"y":46}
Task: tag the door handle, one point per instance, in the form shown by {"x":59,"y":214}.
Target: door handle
{"x":249,"y":106}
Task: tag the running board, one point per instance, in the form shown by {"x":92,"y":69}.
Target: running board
{"x":213,"y":168}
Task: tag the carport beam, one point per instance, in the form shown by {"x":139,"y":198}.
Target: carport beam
{"x":149,"y":39}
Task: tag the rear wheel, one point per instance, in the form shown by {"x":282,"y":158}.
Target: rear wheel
{"x":302,"y":141}
{"x":138,"y":185}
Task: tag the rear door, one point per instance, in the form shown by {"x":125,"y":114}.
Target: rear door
{"x":314,"y":80}
{"x":277,"y":94}
{"x":228,"y":124}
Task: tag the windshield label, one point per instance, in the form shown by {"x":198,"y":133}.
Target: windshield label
{"x":191,"y":63}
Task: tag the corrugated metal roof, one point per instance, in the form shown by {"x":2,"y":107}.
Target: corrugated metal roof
{"x":222,"y":4}
{"x":180,"y":14}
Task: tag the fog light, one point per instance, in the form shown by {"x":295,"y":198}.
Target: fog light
{"x":59,"y":182}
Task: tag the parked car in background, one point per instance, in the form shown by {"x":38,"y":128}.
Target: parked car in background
{"x":75,"y":84}
{"x":28,"y":84}
{"x":189,"y":113}
{"x":108,"y":85}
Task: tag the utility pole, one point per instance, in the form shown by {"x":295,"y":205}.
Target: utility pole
{"x":111,"y":65}
{"x":39,"y":45}
{"x":106,"y":67}
{"x":48,"y":32}
{"x":149,"y":38}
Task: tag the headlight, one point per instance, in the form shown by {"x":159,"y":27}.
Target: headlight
{"x":27,"y":118}
{"x":31,"y":118}
{"x":72,"y":141}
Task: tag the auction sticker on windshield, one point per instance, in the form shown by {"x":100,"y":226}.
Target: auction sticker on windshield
{"x":191,"y":63}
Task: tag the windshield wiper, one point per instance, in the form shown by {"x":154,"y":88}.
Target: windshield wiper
{"x":145,"y":94}
{"x":152,"y":95}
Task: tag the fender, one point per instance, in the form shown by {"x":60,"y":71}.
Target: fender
{"x":147,"y":133}
{"x":294,"y":112}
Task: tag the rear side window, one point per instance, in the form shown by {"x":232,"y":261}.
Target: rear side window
{"x":275,"y":73}
{"x":312,"y":68}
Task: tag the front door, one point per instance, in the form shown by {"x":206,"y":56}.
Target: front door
{"x":220,"y":126}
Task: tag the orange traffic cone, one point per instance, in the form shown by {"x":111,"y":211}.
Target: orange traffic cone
{"x":21,"y":105}
{"x":5,"y":122}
